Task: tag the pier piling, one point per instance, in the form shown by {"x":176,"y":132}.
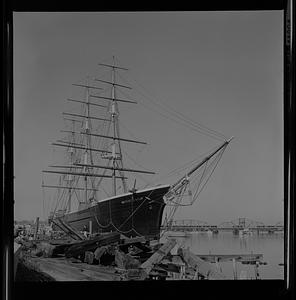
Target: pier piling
{"x":36,"y":229}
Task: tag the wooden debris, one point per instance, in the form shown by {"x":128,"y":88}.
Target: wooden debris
{"x":138,"y":239}
{"x":89,"y":257}
{"x":99,"y":252}
{"x":204,"y":268}
{"x":148,"y":265}
{"x":90,"y":245}
{"x":74,"y":260}
{"x":46,"y":249}
{"x":60,"y":269}
{"x":68,"y":229}
{"x":125,"y":261}
{"x":120,"y":259}
{"x":138,"y":243}
{"x":174,"y":265}
{"x":27,"y":244}
{"x":177,"y":260}
{"x":133,"y":258}
{"x":135,"y":274}
{"x":57,"y":242}
{"x":158,"y":273}
{"x":110,"y":249}
{"x":61,"y":249}
{"x":142,"y":247}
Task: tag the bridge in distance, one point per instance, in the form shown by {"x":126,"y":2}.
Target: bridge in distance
{"x":234,"y":225}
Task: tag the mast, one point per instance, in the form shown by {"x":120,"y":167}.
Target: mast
{"x":71,"y":150}
{"x":121,"y":172}
{"x":116,"y":157}
{"x":87,"y":142}
{"x":87,"y":169}
{"x":113,"y":118}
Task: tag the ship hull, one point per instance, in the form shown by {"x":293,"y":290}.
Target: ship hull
{"x":132,"y":214}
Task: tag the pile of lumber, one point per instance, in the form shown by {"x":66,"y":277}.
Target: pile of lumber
{"x":112,"y":256}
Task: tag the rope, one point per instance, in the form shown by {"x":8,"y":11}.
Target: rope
{"x":95,"y":215}
{"x":181,"y":168}
{"x":118,"y":227}
{"x":219,"y":158}
{"x":198,"y":126}
{"x":170,"y":114}
{"x":172,"y":213}
{"x":198,"y":189}
{"x":146,"y":197}
{"x":190,"y":126}
{"x":197,"y":193}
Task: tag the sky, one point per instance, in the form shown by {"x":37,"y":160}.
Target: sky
{"x":221,"y":69}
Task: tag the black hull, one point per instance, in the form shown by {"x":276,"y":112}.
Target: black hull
{"x":138,"y":214}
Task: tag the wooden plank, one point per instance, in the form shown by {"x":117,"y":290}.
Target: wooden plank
{"x":125,"y":261}
{"x":169,"y":267}
{"x":61,"y":269}
{"x":229,"y":257}
{"x":61,"y":241}
{"x":138,"y":239}
{"x":158,"y":255}
{"x":46,"y":249}
{"x":203,"y":267}
{"x":177,"y":260}
{"x":95,"y":268}
{"x":135,"y":274}
{"x":137,"y":246}
{"x":143,"y":247}
{"x":90,"y":245}
{"x":99,"y":252}
{"x":89,"y":257}
{"x":61,"y":272}
{"x":67,"y":228}
{"x":61,"y":249}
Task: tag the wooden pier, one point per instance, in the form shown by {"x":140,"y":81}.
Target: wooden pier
{"x":243,"y":258}
{"x":61,"y":269}
{"x":113,"y":258}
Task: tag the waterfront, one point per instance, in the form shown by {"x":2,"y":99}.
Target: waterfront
{"x":270,"y":245}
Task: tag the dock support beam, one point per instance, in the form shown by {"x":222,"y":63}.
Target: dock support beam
{"x":36,"y":229}
{"x":234,"y":269}
{"x":257,"y":276}
{"x":90,"y":227}
{"x":217,"y":264}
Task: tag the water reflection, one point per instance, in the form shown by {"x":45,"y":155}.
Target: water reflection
{"x":243,"y":242}
{"x":270,"y":245}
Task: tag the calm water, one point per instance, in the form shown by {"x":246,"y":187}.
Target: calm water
{"x":270,"y":245}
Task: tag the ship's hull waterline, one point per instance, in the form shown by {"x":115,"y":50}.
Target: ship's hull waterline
{"x":132,"y":214}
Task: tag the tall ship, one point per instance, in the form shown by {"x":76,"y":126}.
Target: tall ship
{"x":93,"y":191}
